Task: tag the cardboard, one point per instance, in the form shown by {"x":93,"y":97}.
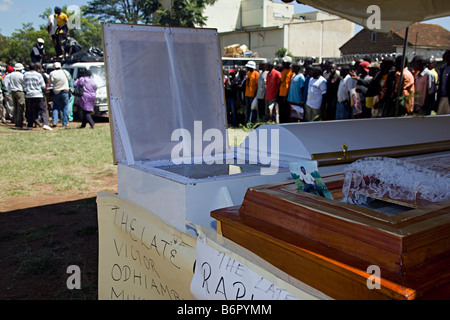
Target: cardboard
{"x":144,"y":257}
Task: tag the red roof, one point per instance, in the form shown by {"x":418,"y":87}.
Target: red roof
{"x":427,"y":35}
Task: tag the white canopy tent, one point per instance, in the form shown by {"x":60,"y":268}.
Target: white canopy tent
{"x":394,"y":15}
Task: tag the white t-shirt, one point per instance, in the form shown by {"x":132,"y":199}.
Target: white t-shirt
{"x":307,"y":177}
{"x":16,"y":81}
{"x":52,"y":24}
{"x":59,"y":79}
{"x":345,"y":86}
{"x":316,"y":88}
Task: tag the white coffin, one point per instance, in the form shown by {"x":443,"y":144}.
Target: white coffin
{"x":335,"y":144}
{"x":163,"y":81}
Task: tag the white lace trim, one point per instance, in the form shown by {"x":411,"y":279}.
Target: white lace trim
{"x":380,"y":177}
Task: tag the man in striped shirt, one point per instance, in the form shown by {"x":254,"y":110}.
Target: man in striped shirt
{"x":15,"y":83}
{"x":34,"y":98}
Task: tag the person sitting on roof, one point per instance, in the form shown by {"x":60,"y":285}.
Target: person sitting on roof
{"x":38,"y":51}
{"x":70,"y":46}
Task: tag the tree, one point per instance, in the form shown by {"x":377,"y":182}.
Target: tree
{"x":124,"y":11}
{"x":282,"y":52}
{"x":18,"y":46}
{"x":184,"y":13}
{"x":3,"y":44}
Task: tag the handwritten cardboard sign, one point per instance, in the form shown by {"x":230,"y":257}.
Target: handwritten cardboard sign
{"x":140,"y":256}
{"x":222,"y":274}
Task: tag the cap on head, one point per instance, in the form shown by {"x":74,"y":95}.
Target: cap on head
{"x":374,"y":65}
{"x":18,"y":67}
{"x":365,"y":65}
{"x":251,"y":64}
{"x":286,"y":59}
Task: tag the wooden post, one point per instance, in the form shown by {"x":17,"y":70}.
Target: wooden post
{"x":399,"y":89}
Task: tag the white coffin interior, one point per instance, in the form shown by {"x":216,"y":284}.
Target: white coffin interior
{"x":160,"y":80}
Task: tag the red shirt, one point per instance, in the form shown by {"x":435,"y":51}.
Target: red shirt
{"x":273,"y":81}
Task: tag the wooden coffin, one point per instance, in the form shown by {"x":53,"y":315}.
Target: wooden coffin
{"x":333,"y":246}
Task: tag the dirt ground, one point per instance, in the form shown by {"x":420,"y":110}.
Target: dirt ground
{"x":42,"y":235}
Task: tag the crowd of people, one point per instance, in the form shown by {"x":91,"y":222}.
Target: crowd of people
{"x":29,"y":96}
{"x":58,"y":31}
{"x":292,"y":92}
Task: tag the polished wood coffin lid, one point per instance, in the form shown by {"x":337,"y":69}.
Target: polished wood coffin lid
{"x":329,"y":244}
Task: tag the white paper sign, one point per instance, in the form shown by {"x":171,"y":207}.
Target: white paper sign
{"x":218,"y":276}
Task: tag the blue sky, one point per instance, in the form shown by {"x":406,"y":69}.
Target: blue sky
{"x":13,"y":13}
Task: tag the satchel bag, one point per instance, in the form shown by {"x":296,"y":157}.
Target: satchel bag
{"x":79,"y":89}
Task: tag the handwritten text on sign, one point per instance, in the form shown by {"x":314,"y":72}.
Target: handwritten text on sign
{"x":139,"y":259}
{"x":218,"y":276}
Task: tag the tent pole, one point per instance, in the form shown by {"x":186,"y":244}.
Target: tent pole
{"x":399,"y":89}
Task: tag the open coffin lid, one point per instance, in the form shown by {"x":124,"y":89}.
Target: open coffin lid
{"x":160,"y":80}
{"x":168,"y":122}
{"x":167,"y":102}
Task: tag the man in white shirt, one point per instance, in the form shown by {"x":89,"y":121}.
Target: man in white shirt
{"x":317,"y":88}
{"x":59,"y":80}
{"x":343,"y":108}
{"x":52,"y":26}
{"x":309,"y":182}
{"x":34,"y":86}
{"x":17,"y":94}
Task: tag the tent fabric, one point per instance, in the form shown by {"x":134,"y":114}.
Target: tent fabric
{"x":395,"y":15}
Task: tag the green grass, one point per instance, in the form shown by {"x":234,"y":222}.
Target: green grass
{"x":69,"y":159}
{"x":61,"y":160}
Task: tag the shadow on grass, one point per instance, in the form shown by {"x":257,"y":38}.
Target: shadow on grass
{"x":39,"y":243}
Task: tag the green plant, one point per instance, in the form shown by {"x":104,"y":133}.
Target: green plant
{"x":282,"y":52}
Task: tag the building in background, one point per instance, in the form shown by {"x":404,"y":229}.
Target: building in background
{"x":265,"y":26}
{"x":428,"y":40}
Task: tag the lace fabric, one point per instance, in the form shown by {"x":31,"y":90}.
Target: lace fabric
{"x":388,"y":178}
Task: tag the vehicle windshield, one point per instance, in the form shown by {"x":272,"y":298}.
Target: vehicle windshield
{"x":98,"y":73}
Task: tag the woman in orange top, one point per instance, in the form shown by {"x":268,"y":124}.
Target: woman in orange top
{"x":251,"y":86}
